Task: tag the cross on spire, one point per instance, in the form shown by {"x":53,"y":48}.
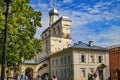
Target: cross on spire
{"x":53,"y":3}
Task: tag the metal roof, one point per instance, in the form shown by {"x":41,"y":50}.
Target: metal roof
{"x":81,"y":44}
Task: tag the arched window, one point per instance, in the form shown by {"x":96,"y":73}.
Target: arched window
{"x":83,"y":73}
{"x":54,"y":32}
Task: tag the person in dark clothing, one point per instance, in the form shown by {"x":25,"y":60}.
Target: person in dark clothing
{"x":29,"y":77}
{"x":91,"y":77}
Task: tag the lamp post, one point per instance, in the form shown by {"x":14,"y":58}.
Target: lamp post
{"x":7,"y":7}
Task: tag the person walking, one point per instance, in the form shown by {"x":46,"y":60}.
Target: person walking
{"x":46,"y":77}
{"x":91,"y":77}
{"x":22,"y":77}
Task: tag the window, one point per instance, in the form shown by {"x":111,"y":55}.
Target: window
{"x":47,"y":46}
{"x":53,"y":62}
{"x":68,"y":59}
{"x":59,"y":30}
{"x":83,"y":72}
{"x":82,"y":58}
{"x":64,"y":60}
{"x":56,"y":73}
{"x":56,"y":61}
{"x":54,"y":32}
{"x":49,"y":32}
{"x":65,"y":72}
{"x":62,"y":73}
{"x":69,"y":73}
{"x":61,"y":59}
{"x":92,"y":58}
{"x":100,"y":59}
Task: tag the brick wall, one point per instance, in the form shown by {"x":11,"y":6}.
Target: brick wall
{"x":114,"y":62}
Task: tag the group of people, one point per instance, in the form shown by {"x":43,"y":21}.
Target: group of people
{"x":46,"y":78}
{"x":23,"y":77}
{"x":92,"y":76}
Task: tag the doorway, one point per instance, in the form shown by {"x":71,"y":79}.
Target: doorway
{"x":29,"y":71}
{"x":118,"y":74}
{"x":101,"y":75}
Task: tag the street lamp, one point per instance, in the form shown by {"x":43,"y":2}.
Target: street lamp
{"x":7,"y":7}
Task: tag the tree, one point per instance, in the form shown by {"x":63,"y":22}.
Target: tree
{"x":23,"y":21}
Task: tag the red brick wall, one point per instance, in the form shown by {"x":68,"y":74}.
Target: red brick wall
{"x":114,"y":61}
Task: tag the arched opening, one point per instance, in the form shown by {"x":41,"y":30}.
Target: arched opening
{"x":29,"y":72}
{"x":100,"y":71}
{"x":42,"y":66}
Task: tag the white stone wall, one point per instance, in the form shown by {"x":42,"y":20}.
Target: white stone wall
{"x":87,"y":66}
{"x":58,"y":44}
{"x":63,"y":70}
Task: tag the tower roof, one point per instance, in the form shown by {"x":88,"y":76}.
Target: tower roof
{"x":53,"y":11}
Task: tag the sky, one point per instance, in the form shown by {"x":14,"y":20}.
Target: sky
{"x":92,"y":20}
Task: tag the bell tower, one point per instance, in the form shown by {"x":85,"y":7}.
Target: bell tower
{"x":57,"y":36}
{"x":53,"y":14}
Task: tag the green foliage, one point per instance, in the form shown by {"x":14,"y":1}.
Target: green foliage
{"x":23,"y":21}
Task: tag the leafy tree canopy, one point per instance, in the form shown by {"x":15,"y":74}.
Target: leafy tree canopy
{"x":22,"y":23}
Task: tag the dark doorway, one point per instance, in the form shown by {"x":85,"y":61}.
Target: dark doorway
{"x":101,"y":75}
{"x":29,"y":71}
{"x":118,"y":74}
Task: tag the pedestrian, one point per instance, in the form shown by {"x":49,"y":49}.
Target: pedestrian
{"x":46,"y":77}
{"x":54,"y":77}
{"x":26,"y":77}
{"x":22,"y":76}
{"x":39,"y":78}
{"x":91,"y":77}
{"x":29,"y":77}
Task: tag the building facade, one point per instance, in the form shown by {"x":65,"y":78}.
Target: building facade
{"x":115,"y":62}
{"x":79,"y":61}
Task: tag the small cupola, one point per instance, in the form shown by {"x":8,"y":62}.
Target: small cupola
{"x":53,"y":12}
{"x":53,"y":16}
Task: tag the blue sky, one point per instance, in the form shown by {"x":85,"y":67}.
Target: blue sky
{"x":96,"y":20}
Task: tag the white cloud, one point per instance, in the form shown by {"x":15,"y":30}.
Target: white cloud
{"x":67,"y":1}
{"x":111,"y":35}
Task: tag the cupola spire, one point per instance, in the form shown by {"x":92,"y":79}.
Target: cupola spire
{"x":53,"y":3}
{"x":53,"y":14}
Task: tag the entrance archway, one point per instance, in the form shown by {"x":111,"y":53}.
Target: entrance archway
{"x":100,"y":69}
{"x":29,"y":71}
